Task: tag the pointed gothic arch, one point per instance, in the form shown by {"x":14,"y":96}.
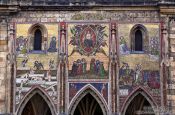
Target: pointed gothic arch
{"x":139,"y":38}
{"x":88,"y":89}
{"x":36,"y":91}
{"x":43,"y":35}
{"x":134,"y":95}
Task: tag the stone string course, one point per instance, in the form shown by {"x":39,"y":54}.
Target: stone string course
{"x":121,"y":16}
{"x":73,"y":16}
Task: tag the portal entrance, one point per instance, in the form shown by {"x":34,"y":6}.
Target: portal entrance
{"x":88,"y":106}
{"x":36,"y":106}
{"x":139,"y":106}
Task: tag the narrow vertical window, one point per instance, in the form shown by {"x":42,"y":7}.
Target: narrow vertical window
{"x":37,"y":40}
{"x":138,"y":41}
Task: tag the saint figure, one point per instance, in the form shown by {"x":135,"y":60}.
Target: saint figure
{"x":52,"y":47}
{"x":88,"y":42}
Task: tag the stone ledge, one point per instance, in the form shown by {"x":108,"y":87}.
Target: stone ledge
{"x":172,"y":54}
{"x":173,"y":48}
{"x":167,"y":9}
{"x":172,"y":36}
{"x":3,"y":48}
{"x":2,"y":100}
{"x":172,"y":41}
{"x":172,"y":97}
{"x":3,"y":42}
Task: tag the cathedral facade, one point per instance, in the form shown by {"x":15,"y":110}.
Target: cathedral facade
{"x":73,"y":57}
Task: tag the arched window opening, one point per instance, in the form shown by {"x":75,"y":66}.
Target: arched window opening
{"x":37,"y":35}
{"x":37,"y":40}
{"x":138,"y":41}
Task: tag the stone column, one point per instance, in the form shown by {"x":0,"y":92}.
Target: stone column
{"x":113,"y":71}
{"x":62,"y":68}
{"x":171,"y":78}
{"x":5,"y":77}
{"x":164,"y":65}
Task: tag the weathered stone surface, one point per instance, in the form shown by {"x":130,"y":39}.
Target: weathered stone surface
{"x":125,"y":18}
{"x":133,"y":16}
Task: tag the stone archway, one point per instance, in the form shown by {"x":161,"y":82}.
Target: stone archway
{"x":36,"y":102}
{"x":139,"y":103}
{"x":88,"y":101}
{"x":88,"y":106}
{"x":36,"y":106}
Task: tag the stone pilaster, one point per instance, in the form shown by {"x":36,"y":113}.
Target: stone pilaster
{"x":62,"y":74}
{"x":171,"y":78}
{"x":114,"y":71}
{"x":4,"y":78}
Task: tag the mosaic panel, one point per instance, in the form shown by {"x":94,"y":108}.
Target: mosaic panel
{"x":36,"y":68}
{"x":75,"y":87}
{"x":153,"y":46}
{"x":88,"y":50}
{"x":139,"y":69}
{"x":25,"y":80}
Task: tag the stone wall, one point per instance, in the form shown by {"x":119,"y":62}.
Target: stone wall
{"x":170,"y":81}
{"x":124,"y":20}
{"x":57,"y":16}
{"x":4,"y":77}
{"x":20,"y":23}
